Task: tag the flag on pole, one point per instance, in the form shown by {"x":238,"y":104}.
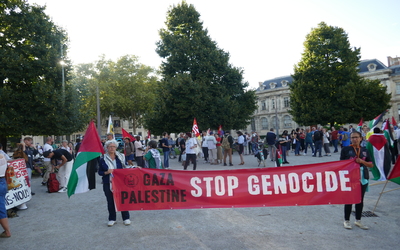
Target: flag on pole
{"x":394,"y":175}
{"x":110,"y":127}
{"x":126,"y":134}
{"x":360,"y":124}
{"x":376,"y":120}
{"x":195,"y":128}
{"x":148,"y":135}
{"x":387,"y":132}
{"x":91,"y":148}
{"x":379,"y":151}
{"x":220,"y":131}
{"x":394,"y":123}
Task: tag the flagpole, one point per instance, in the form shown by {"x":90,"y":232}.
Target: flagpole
{"x":380,"y":196}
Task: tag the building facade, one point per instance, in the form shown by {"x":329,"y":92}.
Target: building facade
{"x":273,"y":99}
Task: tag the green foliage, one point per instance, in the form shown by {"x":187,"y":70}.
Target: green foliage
{"x":327,"y":87}
{"x":31,"y":74}
{"x":126,"y":88}
{"x":198,"y":80}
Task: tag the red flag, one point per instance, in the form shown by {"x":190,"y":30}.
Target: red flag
{"x":148,"y":134}
{"x":195,"y":128}
{"x":394,"y":123}
{"x":126,"y":134}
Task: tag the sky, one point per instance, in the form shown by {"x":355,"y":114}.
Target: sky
{"x":263,"y":37}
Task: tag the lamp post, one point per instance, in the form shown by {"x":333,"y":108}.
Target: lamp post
{"x":98,"y":110}
{"x":62,"y":73}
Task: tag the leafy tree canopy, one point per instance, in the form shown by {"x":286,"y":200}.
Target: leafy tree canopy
{"x":198,"y":80}
{"x":126,"y":88}
{"x":31,"y":92}
{"x":326,"y":86}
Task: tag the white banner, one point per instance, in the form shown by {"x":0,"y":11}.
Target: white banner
{"x":21,"y":194}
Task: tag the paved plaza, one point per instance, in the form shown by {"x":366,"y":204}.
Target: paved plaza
{"x":53,"y":221}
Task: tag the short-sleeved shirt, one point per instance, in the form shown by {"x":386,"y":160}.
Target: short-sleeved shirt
{"x":190,"y":143}
{"x":138,"y":152}
{"x":165,"y":141}
{"x":61,"y":152}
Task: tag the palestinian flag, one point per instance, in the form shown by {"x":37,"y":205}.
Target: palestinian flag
{"x":394,"y":175}
{"x":278,"y":158}
{"x":387,"y":132}
{"x":360,"y":124}
{"x":126,"y":134}
{"x":83,"y":172}
{"x":379,"y":151}
{"x":394,"y":123}
{"x":374,"y":122}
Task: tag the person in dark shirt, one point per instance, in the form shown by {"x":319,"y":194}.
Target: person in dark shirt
{"x":64,"y":168}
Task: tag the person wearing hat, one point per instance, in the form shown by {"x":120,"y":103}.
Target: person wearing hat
{"x":129,"y":151}
{"x":64,"y":168}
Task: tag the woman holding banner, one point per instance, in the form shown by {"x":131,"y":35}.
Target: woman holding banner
{"x":3,"y":191}
{"x":361,"y":156}
{"x":112,"y":160}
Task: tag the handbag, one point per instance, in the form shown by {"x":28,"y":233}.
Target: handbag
{"x":11,"y":179}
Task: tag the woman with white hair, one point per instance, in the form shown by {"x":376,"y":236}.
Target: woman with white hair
{"x":110,"y":161}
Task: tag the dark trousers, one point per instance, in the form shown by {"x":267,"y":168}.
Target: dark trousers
{"x":190,"y":157}
{"x":318,"y":147}
{"x":250,"y":147}
{"x":205,"y":152}
{"x":359,"y":206}
{"x":139,"y":161}
{"x":180,"y":155}
{"x":112,"y":214}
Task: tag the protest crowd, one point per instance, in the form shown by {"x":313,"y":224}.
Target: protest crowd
{"x":211,"y":147}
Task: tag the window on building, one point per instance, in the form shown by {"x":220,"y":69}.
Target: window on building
{"x":272,"y":85}
{"x":286,"y":102}
{"x":253,"y":124}
{"x":273,"y":103}
{"x":140,"y":133}
{"x":398,"y":110}
{"x":264,"y":123}
{"x":130,"y":125}
{"x":287,"y":121}
{"x":263,"y":106}
{"x":398,"y":88}
{"x":284,"y":83}
{"x":275,"y":123}
{"x":117,"y":124}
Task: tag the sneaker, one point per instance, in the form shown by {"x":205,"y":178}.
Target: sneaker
{"x":22,"y":207}
{"x":62,"y":190}
{"x":304,"y":153}
{"x":32,"y":193}
{"x":43,"y":183}
{"x":230,"y":164}
{"x":346,"y":224}
{"x":224,"y":164}
{"x":127,"y":222}
{"x":111,"y":223}
{"x":360,"y":225}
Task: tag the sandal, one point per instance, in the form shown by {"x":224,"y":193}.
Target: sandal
{"x":4,"y":235}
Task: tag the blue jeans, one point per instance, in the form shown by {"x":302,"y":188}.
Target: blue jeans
{"x":284,"y":149}
{"x":166,"y":159}
{"x":335,"y":143}
{"x":311,"y":145}
{"x":297,"y":149}
{"x":318,"y":147}
{"x":3,"y":193}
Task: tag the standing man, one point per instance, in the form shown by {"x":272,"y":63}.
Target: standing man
{"x":30,"y":152}
{"x":271,"y":140}
{"x":254,"y":140}
{"x":204,"y":146}
{"x":46,"y":161}
{"x":345,"y":138}
{"x":178,"y":144}
{"x":317,"y":137}
{"x":166,"y":149}
{"x":227,"y":144}
{"x":334,"y":139}
{"x":139,"y":152}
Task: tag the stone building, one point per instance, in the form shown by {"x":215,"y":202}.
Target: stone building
{"x":274,"y":102}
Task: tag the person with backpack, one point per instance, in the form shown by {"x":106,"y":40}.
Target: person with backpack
{"x":317,"y":137}
{"x":227,"y":143}
{"x":241,"y":141}
{"x":64,"y":168}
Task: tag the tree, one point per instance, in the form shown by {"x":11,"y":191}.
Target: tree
{"x":198,"y":80}
{"x":126,"y":87}
{"x":326,"y":86}
{"x":33,"y":99}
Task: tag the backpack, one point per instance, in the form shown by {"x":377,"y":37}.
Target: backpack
{"x":52,"y":183}
{"x":244,"y":140}
{"x":317,"y":136}
{"x":345,"y":137}
{"x":225,"y":143}
{"x":159,"y":143}
{"x":177,"y":141}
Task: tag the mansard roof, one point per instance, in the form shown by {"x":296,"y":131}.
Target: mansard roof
{"x":362,"y":68}
{"x":395,"y":70}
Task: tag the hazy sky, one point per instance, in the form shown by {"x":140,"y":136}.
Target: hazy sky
{"x":263,"y":37}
